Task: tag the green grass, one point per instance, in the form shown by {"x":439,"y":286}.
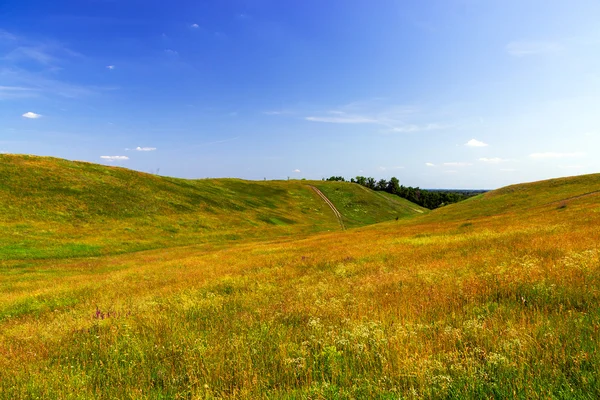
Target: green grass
{"x":361,"y":206}
{"x":52,"y":208}
{"x":494,"y":297}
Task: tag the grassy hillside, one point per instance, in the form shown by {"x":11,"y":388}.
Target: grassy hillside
{"x":527,"y":197}
{"x":491,"y":298}
{"x":361,"y":206}
{"x":53,"y":208}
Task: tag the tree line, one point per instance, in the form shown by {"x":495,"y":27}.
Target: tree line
{"x":425,"y":198}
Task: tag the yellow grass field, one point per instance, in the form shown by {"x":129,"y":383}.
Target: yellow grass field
{"x":494,"y":297}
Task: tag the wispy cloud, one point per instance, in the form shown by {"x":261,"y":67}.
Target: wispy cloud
{"x":111,"y":67}
{"x":399,"y":119}
{"x":48,"y":53}
{"x":31,"y":115}
{"x":418,"y":128}
{"x":493,"y":160}
{"x":571,"y":166}
{"x":528,"y":48}
{"x":114,"y":158}
{"x":476,"y":143}
{"x":17,"y":92}
{"x":552,"y":155}
{"x":219,"y":141}
{"x":50,"y":56}
{"x":277,"y":112}
{"x":429,"y":164}
{"x":297,"y":171}
{"x":38,"y":82}
{"x":36,"y":54}
{"x":6,"y":36}
{"x":456,"y":164}
{"x":171,"y":52}
{"x":195,"y":26}
{"x":145,"y":148}
{"x":350,"y":119}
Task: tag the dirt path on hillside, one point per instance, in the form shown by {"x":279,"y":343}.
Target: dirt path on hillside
{"x":330,"y":204}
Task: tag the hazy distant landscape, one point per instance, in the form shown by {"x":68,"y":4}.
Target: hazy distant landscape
{"x":120,"y":284}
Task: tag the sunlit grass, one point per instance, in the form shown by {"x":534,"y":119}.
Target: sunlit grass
{"x":52,"y":208}
{"x":443,"y":306}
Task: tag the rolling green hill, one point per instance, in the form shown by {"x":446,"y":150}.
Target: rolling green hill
{"x":494,"y":297}
{"x":57,"y":208}
{"x":525,"y":198}
{"x":361,"y":206}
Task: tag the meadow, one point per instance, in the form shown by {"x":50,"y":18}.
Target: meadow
{"x":494,"y":297}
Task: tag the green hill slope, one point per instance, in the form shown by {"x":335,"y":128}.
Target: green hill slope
{"x":57,"y":208}
{"x":502,"y":306}
{"x":362,"y":206}
{"x":524,"y":198}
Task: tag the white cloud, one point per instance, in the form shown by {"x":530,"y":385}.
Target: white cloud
{"x":114,"y":158}
{"x":457,"y":164}
{"x":430,"y":164}
{"x":171,"y":52}
{"x":549,"y":155}
{"x":31,"y":115}
{"x":508,"y":169}
{"x":450,"y":171}
{"x":111,"y":67}
{"x":297,"y":171}
{"x":528,"y":48}
{"x":195,"y":26}
{"x":475,"y":143}
{"x":493,"y":160}
{"x":145,"y":148}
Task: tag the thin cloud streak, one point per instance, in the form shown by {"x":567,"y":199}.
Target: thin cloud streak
{"x":456,"y":164}
{"x":552,"y":155}
{"x":493,"y":160}
{"x":343,"y":120}
{"x":114,"y":158}
{"x":529,"y":48}
{"x":393,"y":118}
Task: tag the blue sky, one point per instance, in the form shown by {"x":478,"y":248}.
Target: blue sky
{"x":444,"y":93}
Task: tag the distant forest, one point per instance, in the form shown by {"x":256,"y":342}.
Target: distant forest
{"x":430,"y":199}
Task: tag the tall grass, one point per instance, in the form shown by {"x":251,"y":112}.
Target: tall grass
{"x":499,"y":306}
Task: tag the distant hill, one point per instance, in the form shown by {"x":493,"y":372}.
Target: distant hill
{"x":524,"y":198}
{"x":51,"y":207}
